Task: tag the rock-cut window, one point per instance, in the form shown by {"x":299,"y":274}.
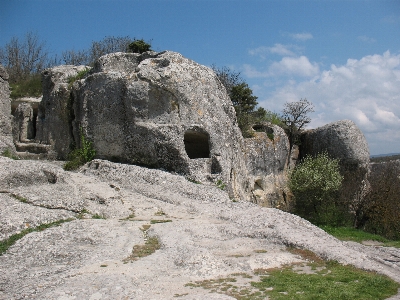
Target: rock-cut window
{"x":197,"y":144}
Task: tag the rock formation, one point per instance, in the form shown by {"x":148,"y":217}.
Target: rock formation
{"x":342,"y":140}
{"x":53,"y":125}
{"x":6,"y":136}
{"x":267,"y":161}
{"x":164,"y":111}
{"x":23,"y":125}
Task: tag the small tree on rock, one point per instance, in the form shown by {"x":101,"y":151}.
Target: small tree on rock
{"x":242,"y":99}
{"x":296,"y":116}
{"x":139,"y":46}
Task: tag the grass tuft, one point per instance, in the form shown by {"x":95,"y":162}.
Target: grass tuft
{"x":152,"y":243}
{"x":9,"y":154}
{"x":7,"y":243}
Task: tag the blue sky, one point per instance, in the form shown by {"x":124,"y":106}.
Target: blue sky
{"x":344,"y":56}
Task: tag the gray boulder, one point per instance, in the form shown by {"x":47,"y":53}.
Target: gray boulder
{"x":6,"y":137}
{"x":165,"y":111}
{"x":55,"y":114}
{"x":267,"y":162}
{"x":342,"y":140}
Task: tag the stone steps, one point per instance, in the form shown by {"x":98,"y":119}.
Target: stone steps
{"x":34,"y":148}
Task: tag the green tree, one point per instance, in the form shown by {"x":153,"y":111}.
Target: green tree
{"x":244,"y":103}
{"x":315,"y":183}
{"x":139,"y":46}
{"x":242,"y":98}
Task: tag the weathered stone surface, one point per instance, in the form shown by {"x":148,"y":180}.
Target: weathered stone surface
{"x":23,"y":123}
{"x":342,"y":140}
{"x":165,"y":111}
{"x":208,"y":237}
{"x":267,"y":161}
{"x":55,"y":110}
{"x":6,"y":138}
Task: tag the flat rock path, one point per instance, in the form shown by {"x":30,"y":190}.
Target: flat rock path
{"x":111,"y":209}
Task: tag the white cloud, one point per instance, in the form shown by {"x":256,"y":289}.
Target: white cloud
{"x":283,"y":50}
{"x":287,"y":66}
{"x":299,"y":66}
{"x":301,"y":36}
{"x":366,"y":39}
{"x":366,"y":91}
{"x":392,"y":19}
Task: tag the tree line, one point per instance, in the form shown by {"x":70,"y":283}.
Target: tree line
{"x":27,"y":57}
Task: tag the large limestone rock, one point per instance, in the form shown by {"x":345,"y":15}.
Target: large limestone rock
{"x":6,"y":137}
{"x":162,"y":110}
{"x":342,"y":140}
{"x":55,"y":110}
{"x":267,"y":162}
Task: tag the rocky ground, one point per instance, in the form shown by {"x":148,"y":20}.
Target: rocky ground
{"x":111,"y":210}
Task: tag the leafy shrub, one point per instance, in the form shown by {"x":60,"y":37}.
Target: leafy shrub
{"x":139,"y":46}
{"x":315,"y":183}
{"x":78,"y":157}
{"x":30,"y":87}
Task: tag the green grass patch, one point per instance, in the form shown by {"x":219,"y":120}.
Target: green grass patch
{"x":152,"y":243}
{"x":9,"y":154}
{"x":324,"y":280}
{"x":159,"y":221}
{"x":131,"y":216}
{"x":333,"y":282}
{"x":357,"y":235}
{"x":7,"y":243}
{"x":82,"y":74}
{"x":19,"y":198}
{"x":220,"y":184}
{"x":78,"y":157}
{"x":97,"y":216}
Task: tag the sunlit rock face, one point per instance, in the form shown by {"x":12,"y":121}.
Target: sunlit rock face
{"x":165,"y":111}
{"x":267,"y":154}
{"x":6,"y":137}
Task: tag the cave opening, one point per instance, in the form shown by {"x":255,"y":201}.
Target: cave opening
{"x":197,"y":144}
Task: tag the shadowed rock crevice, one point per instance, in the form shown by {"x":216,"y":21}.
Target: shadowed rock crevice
{"x":197,"y":144}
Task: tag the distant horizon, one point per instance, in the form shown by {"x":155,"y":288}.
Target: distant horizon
{"x":385,"y":155}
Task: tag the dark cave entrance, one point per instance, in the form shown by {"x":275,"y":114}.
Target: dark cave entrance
{"x":197,"y":144}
